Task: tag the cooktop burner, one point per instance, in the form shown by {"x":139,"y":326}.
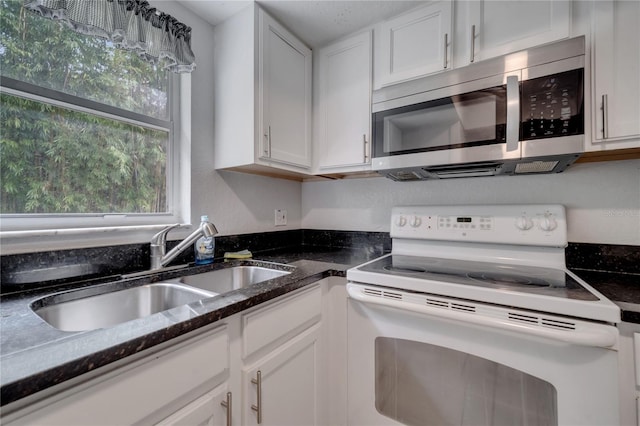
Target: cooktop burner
{"x":503,"y":279}
{"x":526,"y":279}
{"x":405,"y":269}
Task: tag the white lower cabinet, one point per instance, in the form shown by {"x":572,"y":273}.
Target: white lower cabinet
{"x":208,"y":379}
{"x":282,"y":388}
{"x":143,"y":392}
{"x":282,"y":359}
{"x":629,"y":373}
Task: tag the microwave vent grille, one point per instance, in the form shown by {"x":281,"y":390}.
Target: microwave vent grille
{"x":536,"y":167}
{"x":404,"y":176}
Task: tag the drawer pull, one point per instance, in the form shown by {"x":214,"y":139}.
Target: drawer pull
{"x":605,"y":116}
{"x":227,"y":404}
{"x":365,"y":143}
{"x":446,"y":43}
{"x":258,"y":406}
{"x":473,"y":44}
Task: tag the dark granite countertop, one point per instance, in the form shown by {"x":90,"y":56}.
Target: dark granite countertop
{"x":35,"y":356}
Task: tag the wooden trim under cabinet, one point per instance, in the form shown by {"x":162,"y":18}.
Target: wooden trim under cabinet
{"x":613,"y":155}
{"x":587,"y":157}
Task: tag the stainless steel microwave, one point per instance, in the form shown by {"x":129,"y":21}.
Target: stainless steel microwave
{"x":521,"y":113}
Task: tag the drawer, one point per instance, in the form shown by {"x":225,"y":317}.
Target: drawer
{"x":280,"y":320}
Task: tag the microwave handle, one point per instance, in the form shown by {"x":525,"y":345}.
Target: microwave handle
{"x":513,"y":113}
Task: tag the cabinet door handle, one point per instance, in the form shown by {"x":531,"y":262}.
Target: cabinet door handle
{"x":473,"y":44}
{"x":364,"y":144}
{"x":605,"y":116}
{"x":227,"y":404}
{"x":446,"y":42}
{"x":258,"y":406}
{"x":267,"y":146}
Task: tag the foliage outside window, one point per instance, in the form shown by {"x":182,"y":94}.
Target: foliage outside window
{"x":85,"y":128}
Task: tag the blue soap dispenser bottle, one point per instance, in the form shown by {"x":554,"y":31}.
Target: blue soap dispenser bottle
{"x":204,"y":247}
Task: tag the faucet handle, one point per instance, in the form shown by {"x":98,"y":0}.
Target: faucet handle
{"x":161,"y":237}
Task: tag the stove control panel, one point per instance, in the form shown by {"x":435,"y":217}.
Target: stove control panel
{"x":500,"y":224}
{"x":482,"y":223}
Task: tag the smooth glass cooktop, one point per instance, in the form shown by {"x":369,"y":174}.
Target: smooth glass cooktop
{"x":526,"y":279}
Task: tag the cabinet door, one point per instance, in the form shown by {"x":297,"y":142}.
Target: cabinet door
{"x":616,"y":65}
{"x":285,"y":95}
{"x":413,"y":44}
{"x":206,"y":410}
{"x":501,"y":27}
{"x":629,"y":372}
{"x":283,"y":387}
{"x":345,"y":104}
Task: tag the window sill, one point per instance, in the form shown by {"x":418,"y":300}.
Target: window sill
{"x":18,"y":242}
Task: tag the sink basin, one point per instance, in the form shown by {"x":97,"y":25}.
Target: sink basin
{"x":81,"y":311}
{"x":109,"y":309}
{"x":224,"y":280}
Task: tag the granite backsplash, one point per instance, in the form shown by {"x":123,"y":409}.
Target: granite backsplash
{"x":603,"y":257}
{"x":101,"y":263}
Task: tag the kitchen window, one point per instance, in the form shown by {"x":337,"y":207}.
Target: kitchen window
{"x":88,"y":132}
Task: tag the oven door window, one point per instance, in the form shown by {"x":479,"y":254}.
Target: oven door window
{"x":422,"y":384}
{"x":466,"y":120}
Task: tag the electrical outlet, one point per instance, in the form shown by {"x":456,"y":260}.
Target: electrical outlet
{"x":280,"y":217}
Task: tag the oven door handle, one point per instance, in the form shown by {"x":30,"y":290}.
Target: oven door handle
{"x":595,"y":335}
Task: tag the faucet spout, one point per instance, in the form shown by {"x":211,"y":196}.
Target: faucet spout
{"x":160,"y":258}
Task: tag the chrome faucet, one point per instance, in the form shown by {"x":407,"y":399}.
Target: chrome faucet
{"x":159,"y":243}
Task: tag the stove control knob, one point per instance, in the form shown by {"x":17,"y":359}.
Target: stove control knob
{"x":401,"y":221}
{"x":524,"y":223}
{"x":548,"y":223}
{"x":415,"y":221}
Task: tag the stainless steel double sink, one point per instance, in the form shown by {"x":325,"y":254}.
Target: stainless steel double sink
{"x":73,"y":311}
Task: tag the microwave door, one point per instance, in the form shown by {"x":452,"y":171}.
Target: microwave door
{"x":464,"y":120}
{"x":460,"y":128}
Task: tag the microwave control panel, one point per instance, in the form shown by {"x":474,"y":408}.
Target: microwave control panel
{"x":553,"y":106}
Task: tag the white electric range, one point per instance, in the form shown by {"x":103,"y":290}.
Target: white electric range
{"x":482,"y":296}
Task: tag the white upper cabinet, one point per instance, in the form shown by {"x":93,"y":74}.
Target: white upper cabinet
{"x":414,"y":44}
{"x":344,"y":120}
{"x":285,"y":95}
{"x":495,"y":27}
{"x":616,"y":75}
{"x":262,"y":96}
{"x":448,"y":34}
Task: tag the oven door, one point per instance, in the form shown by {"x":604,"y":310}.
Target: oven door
{"x":462,"y":123}
{"x":409,"y":366}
